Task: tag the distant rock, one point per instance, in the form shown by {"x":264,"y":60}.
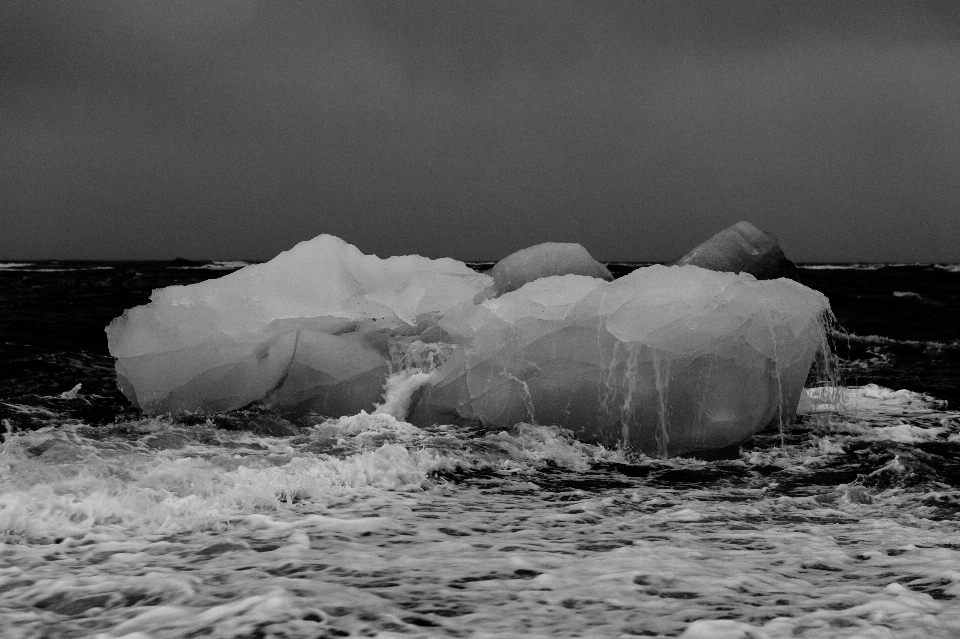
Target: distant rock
{"x":544,"y":260}
{"x":742,"y":248}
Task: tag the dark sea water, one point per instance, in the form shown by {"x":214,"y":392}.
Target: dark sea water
{"x":247,"y":524}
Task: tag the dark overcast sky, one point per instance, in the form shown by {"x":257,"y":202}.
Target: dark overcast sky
{"x":152,"y":129}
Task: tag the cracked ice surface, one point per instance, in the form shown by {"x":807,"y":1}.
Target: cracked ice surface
{"x":664,"y":360}
{"x":310,"y":326}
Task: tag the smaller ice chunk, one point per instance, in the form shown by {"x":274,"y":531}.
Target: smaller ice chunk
{"x":311,"y":327}
{"x":544,"y":260}
{"x":72,"y":393}
{"x":665,"y":360}
{"x":741,"y":248}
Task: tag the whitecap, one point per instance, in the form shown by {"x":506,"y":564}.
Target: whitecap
{"x":373,"y":527}
{"x":845,"y":267}
{"x":880,"y":339}
{"x":217,"y":265}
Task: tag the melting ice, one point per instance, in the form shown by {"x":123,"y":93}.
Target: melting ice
{"x":665,"y":360}
{"x":309,"y":327}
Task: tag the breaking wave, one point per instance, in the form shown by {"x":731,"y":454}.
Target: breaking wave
{"x":367,"y":525}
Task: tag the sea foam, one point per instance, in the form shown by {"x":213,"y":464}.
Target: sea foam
{"x":368,"y":525}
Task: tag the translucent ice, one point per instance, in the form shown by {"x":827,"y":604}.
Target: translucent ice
{"x":311,"y":327}
{"x":665,"y":360}
{"x":544,"y":260}
{"x":742,"y":248}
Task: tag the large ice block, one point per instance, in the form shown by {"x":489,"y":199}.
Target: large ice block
{"x":665,"y":360}
{"x":312,"y":327}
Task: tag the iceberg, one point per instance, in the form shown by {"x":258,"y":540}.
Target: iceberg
{"x":665,"y":360}
{"x":544,"y":260}
{"x":311,"y":328}
{"x":741,"y":248}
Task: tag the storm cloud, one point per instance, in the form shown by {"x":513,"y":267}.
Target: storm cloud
{"x":234,"y":129}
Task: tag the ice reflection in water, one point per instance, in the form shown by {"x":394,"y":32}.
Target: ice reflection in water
{"x":369,"y":526}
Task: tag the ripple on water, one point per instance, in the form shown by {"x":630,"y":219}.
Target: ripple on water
{"x":846,"y":526}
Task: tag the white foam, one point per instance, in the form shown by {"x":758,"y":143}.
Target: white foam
{"x":72,"y":393}
{"x":875,"y":413}
{"x":399,"y":391}
{"x":32,"y":268}
{"x":168,"y":531}
{"x":74,"y":487}
{"x":879,"y":339}
{"x":223,"y":265}
{"x":846,"y":267}
{"x":871,"y":400}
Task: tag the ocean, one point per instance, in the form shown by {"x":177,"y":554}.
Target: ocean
{"x":255,"y":524}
